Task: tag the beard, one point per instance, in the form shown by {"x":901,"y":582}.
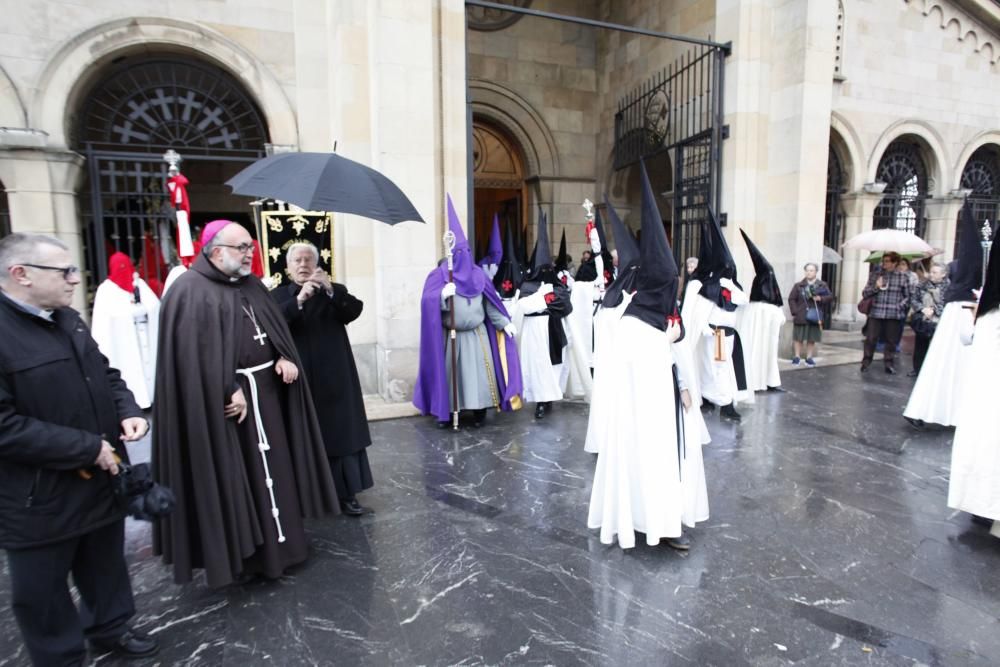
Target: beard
{"x":234,"y":267}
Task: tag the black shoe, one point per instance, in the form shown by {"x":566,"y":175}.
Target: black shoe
{"x":539,"y":410}
{"x":889,"y":370}
{"x":351,"y":507}
{"x":864,"y":366}
{"x":982,"y":521}
{"x":776,"y":390}
{"x":729,"y":412}
{"x":913,"y":374}
{"x":682,"y":543}
{"x":915,"y":423}
{"x":479,"y":418}
{"x":131,"y":645}
{"x":707,"y":406}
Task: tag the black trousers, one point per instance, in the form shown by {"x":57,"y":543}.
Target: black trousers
{"x":888,"y":330}
{"x":52,"y":628}
{"x":920,"y":344}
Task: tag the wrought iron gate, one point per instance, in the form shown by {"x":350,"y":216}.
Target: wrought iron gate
{"x":680,"y":109}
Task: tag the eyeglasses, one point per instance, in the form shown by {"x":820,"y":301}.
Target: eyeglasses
{"x":67,"y":271}
{"x":242,"y":248}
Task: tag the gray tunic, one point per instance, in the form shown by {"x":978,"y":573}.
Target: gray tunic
{"x":477,"y":386}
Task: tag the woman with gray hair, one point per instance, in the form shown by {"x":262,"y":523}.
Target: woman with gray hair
{"x":807,"y":303}
{"x":926,"y":307}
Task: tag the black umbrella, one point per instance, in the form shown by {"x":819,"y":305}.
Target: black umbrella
{"x":325,"y":182}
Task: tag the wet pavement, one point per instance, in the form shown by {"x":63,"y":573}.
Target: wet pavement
{"x":829,"y":543}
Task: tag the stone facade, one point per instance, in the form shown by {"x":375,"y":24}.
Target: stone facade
{"x":387,"y":81}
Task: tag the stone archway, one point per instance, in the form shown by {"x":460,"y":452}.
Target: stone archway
{"x":68,"y":74}
{"x":133,"y":112}
{"x":498,"y":184}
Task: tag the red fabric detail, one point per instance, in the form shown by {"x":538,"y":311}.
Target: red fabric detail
{"x":507,"y":285}
{"x":121,"y":271}
{"x":550,"y":297}
{"x":152,"y":268}
{"x":590,"y":227}
{"x":565,"y":279}
{"x":257,"y":266}
{"x":607,"y":277}
{"x":726,"y":294}
{"x":177,"y":187}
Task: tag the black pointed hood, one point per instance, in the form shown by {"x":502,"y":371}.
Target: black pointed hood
{"x":968,"y":272}
{"x":541,"y":257}
{"x":509,"y":273}
{"x":628,"y":249}
{"x":990,"y":298}
{"x":656,"y":283}
{"x":628,"y":259}
{"x":562,"y":259}
{"x":715,"y":261}
{"x":765,"y":284}
{"x":605,"y":248}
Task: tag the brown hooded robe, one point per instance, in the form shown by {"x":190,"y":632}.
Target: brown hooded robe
{"x":220,"y":522}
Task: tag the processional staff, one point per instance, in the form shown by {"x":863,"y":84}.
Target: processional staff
{"x":987,"y":243}
{"x":449,"y":251}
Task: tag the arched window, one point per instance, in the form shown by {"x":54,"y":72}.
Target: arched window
{"x":982,"y":175}
{"x":903,"y":171}
{"x":139,"y":108}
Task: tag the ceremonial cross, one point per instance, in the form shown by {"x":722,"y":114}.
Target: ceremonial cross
{"x":261,"y":335}
{"x":589,"y":207}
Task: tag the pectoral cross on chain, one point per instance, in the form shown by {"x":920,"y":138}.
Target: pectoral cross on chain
{"x":261,"y":335}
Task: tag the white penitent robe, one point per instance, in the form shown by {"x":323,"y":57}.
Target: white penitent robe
{"x":717,"y":379}
{"x":576,"y":378}
{"x":644,"y":481}
{"x":173,"y":275}
{"x":759,"y":324}
{"x":539,"y":376}
{"x":936,"y":397}
{"x":126,"y":333}
{"x":975,"y":454}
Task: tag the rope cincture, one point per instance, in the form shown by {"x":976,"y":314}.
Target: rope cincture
{"x":263,"y":445}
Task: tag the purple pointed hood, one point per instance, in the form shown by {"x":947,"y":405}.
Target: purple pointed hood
{"x":468,"y":277}
{"x":494,"y":251}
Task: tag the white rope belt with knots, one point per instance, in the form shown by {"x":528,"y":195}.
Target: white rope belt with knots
{"x":263,"y":445}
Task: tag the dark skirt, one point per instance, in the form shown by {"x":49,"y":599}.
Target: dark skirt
{"x":807,"y":333}
{"x":351,"y":474}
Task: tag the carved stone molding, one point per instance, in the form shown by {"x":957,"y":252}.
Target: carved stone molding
{"x":976,"y":20}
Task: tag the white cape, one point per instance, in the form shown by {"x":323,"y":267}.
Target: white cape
{"x":171,"y":277}
{"x":975,"y":454}
{"x":716,"y":379}
{"x":129,"y":347}
{"x":936,"y":397}
{"x":576,"y":379}
{"x":539,"y":377}
{"x":640,"y":484}
{"x":760,"y":325}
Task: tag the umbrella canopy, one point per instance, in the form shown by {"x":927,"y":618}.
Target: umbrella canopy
{"x":877,"y":255}
{"x":325,"y":182}
{"x":831,"y":256}
{"x":889,"y":240}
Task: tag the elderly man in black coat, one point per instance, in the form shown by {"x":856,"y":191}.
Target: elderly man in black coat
{"x":64,"y":415}
{"x":317,"y":311}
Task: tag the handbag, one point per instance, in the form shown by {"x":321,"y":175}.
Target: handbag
{"x":812,"y":310}
{"x":865,"y":305}
{"x":144,"y":498}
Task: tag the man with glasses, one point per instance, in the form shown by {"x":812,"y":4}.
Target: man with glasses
{"x":64,"y":415}
{"x":235,"y":434}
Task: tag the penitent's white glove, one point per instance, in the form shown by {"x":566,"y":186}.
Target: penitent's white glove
{"x":673,"y":331}
{"x":510,"y":329}
{"x":448,"y":290}
{"x":545,"y":288}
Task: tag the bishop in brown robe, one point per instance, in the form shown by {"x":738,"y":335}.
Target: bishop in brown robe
{"x":235,"y":431}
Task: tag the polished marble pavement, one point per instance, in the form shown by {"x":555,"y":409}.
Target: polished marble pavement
{"x":829,"y":543}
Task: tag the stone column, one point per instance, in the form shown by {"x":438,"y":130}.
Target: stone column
{"x":941,"y":216}
{"x":41,"y":186}
{"x":859,"y":207}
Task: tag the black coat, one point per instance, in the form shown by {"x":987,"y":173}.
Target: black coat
{"x":58,"y":400}
{"x":320,"y":335}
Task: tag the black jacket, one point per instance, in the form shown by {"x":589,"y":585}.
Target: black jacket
{"x":58,"y":400}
